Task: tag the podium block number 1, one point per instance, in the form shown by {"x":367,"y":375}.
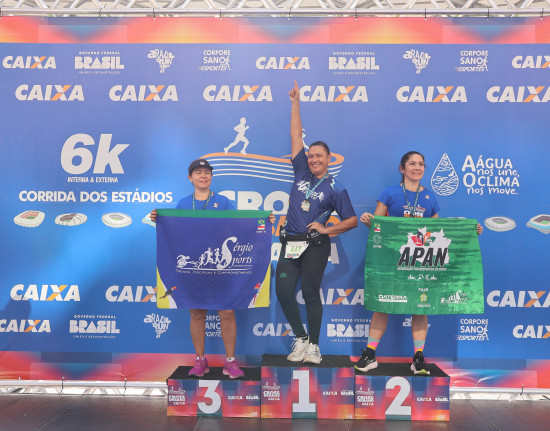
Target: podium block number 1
{"x":396,"y":408}
{"x":216,"y":400}
{"x":303,"y":405}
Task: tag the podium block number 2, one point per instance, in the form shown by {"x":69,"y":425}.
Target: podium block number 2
{"x":303,"y":405}
{"x":396,"y":408}
{"x":216,"y":400}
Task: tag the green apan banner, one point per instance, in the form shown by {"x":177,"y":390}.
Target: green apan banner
{"x":423,"y":266}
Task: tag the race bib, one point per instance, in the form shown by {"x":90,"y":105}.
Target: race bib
{"x":294,"y":249}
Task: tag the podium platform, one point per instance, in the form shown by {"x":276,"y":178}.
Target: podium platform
{"x":298,"y":390}
{"x":332,"y":389}
{"x":214,"y":394}
{"x":393,"y":392}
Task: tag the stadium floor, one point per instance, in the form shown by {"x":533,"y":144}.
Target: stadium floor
{"x":135,"y":413}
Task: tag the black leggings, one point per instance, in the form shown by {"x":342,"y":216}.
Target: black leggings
{"x":310,"y":266}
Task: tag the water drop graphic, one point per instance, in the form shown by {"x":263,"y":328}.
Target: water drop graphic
{"x":444,"y":178}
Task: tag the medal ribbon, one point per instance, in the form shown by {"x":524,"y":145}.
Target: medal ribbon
{"x":207,"y":200}
{"x":311,"y":190}
{"x":413,"y":209}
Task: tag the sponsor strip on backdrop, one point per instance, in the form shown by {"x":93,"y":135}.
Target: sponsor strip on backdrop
{"x":213,"y":259}
{"x":423,"y":266}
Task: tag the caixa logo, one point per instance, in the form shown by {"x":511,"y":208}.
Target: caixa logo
{"x":334,"y":93}
{"x":93,"y":326}
{"x":24,"y":325}
{"x":282,"y":63}
{"x":50,"y":93}
{"x":28,"y":62}
{"x":45,"y":292}
{"x":432,"y":94}
{"x":131,"y":294}
{"x":338,"y":297}
{"x":273,"y":330}
{"x":105,"y":156}
{"x":144,"y":93}
{"x":520,"y":94}
{"x":523,"y":298}
{"x":531,"y":62}
{"x":237,"y":93}
{"x":532,"y":331}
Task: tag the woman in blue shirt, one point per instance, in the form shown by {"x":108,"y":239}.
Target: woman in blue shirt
{"x":200,"y":175}
{"x":406,"y":199}
{"x":306,"y":243}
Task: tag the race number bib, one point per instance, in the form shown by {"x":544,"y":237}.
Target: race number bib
{"x":294,"y":249}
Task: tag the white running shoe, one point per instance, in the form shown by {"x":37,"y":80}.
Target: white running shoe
{"x":313,"y":354}
{"x":298,"y":347}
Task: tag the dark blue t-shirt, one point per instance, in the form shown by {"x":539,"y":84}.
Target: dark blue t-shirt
{"x":217,"y":202}
{"x":394,"y":198}
{"x":329,"y":196}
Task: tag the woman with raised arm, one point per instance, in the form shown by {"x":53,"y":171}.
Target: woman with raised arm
{"x":315,"y":194}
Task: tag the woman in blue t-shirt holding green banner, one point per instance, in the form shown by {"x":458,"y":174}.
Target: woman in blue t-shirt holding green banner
{"x":406,"y":199}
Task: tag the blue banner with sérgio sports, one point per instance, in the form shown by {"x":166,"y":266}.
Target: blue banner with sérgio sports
{"x":225,"y":267}
{"x":96,"y":135}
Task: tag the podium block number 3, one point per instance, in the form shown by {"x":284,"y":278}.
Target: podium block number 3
{"x":303,"y":405}
{"x":216,"y":400}
{"x":396,"y":408}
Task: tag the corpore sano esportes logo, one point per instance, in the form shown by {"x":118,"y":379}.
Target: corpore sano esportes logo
{"x":424,"y":251}
{"x":230,"y":256}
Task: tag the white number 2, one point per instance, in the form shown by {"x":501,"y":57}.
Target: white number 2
{"x":396,"y":408}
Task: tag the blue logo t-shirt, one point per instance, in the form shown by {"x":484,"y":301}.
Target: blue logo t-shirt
{"x":329,"y":196}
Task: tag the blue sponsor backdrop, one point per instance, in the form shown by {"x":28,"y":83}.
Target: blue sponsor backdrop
{"x":124,"y":137}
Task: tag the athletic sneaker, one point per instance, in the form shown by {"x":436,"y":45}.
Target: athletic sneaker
{"x":231,"y":369}
{"x":298,"y":347}
{"x":418,"y":365}
{"x":367,"y":361}
{"x":200,"y":368}
{"x":313,"y":354}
